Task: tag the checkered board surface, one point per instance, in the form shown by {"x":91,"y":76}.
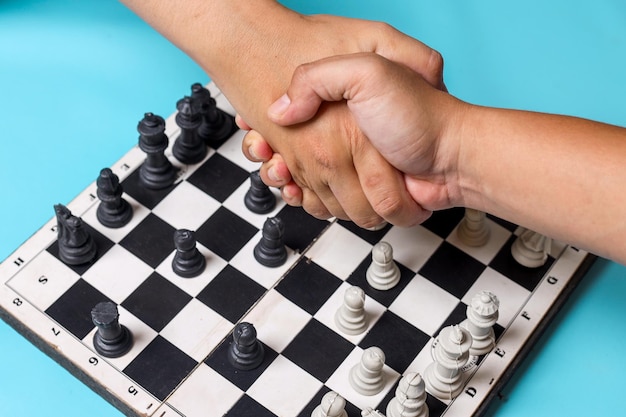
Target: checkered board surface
{"x":182,"y":327}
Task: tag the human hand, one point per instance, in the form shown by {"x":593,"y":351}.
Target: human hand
{"x":402,"y":115}
{"x":334,"y":170}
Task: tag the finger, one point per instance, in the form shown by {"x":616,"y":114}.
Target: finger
{"x":416,"y":55}
{"x":241,"y":123}
{"x":386,"y":190}
{"x":255,"y":147}
{"x":274,"y":172}
{"x":313,"y":205}
{"x":292,"y":194}
{"x":330,"y":79}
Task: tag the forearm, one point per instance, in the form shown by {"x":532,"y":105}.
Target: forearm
{"x":561,"y":176}
{"x":234,"y":41}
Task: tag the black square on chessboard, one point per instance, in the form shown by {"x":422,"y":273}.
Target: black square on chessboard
{"x":370,"y":236}
{"x":300,"y":227}
{"x":385,"y":297}
{"x":160,"y":367}
{"x":146,"y":196}
{"x":225,"y":233}
{"x":103,"y":244}
{"x":452,"y":269}
{"x":308,"y":285}
{"x":351,"y":409}
{"x":318,"y":350}
{"x":248,"y":407}
{"x":72,"y":310}
{"x":505,"y":264}
{"x":152,"y":240}
{"x":218,"y":361}
{"x":443,"y":222}
{"x":231,"y":294}
{"x":218,"y":177}
{"x":156,"y":301}
{"x":399,"y":340}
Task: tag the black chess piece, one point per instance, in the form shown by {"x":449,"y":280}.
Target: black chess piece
{"x":271,"y":250}
{"x":259,"y":198}
{"x":217,"y":126}
{"x":245,"y":351}
{"x":113,"y":211}
{"x":188,"y":262}
{"x":189,"y":148}
{"x":157,"y":172}
{"x":111,"y":339}
{"x":76,"y":246}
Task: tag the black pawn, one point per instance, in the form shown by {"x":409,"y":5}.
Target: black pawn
{"x":113,"y":210}
{"x":76,"y":246}
{"x":189,"y":148}
{"x":271,"y":251}
{"x":111,"y":339}
{"x":157,"y":172}
{"x":245,"y":352}
{"x":188,"y":262}
{"x":259,"y":198}
{"x":217,"y":126}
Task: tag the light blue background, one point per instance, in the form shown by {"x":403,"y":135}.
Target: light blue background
{"x":76,"y":76}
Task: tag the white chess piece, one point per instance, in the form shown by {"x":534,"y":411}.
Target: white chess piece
{"x":350,"y":318}
{"x":473,"y":229}
{"x":410,"y":398}
{"x":531,"y":249}
{"x":366,"y":377}
{"x":370,"y":412}
{"x":383,"y":273}
{"x":482,"y":314}
{"x":443,"y":377}
{"x":332,"y":405}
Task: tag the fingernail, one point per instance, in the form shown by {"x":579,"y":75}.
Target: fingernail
{"x":252,"y":153}
{"x":278,"y":108}
{"x":271,"y":173}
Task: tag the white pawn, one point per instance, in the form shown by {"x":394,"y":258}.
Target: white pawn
{"x":383,"y":273}
{"x":366,"y":377}
{"x":443,"y":377}
{"x":332,"y":405}
{"x":473,"y":229}
{"x":531,"y":249}
{"x":482,"y":314}
{"x":370,"y":412}
{"x":350,"y":317}
{"x":410,"y":399}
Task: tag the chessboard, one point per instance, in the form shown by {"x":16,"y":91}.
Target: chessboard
{"x":182,"y":327}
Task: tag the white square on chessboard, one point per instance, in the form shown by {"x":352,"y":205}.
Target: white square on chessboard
{"x":235,"y":204}
{"x":142,"y":336}
{"x":326,"y":314}
{"x":43,"y":280}
{"x":231,"y":150}
{"x":106,"y":276}
{"x":245,"y":262}
{"x":204,"y":393}
{"x":193,"y":286}
{"x":424,"y":304}
{"x":412,"y":246}
{"x":339,"y":251}
{"x":186,"y":207}
{"x":277,"y":320}
{"x":197,"y":330}
{"x":498,"y":236}
{"x":284,"y":397}
{"x":512,"y":296}
{"x":117,"y":234}
{"x":340,"y":383}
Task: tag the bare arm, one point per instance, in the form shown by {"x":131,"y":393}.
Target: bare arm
{"x":250,"y":48}
{"x":560,"y":176}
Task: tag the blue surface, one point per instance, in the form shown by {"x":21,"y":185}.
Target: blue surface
{"x":75,"y":77}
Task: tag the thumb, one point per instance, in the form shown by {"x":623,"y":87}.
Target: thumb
{"x":335,"y":78}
